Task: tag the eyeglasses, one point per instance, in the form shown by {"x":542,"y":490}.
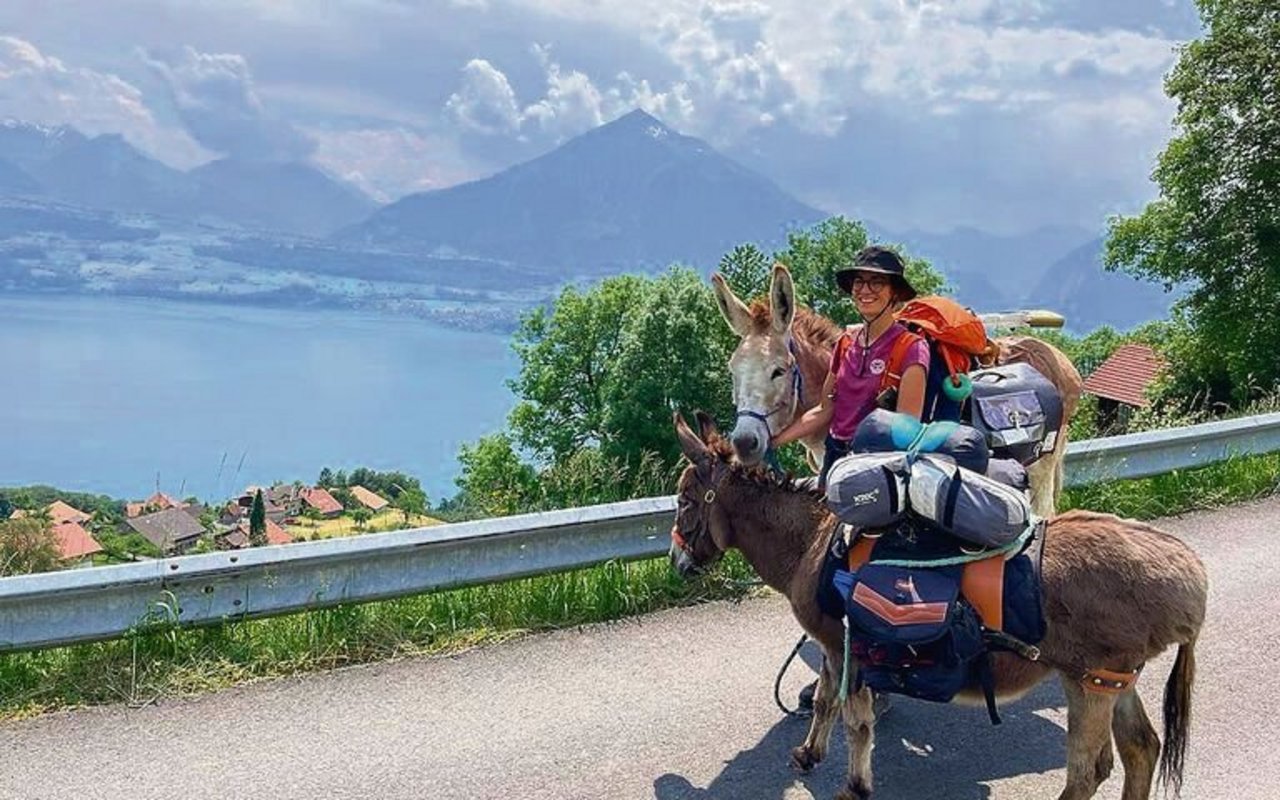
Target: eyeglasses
{"x":874,"y":284}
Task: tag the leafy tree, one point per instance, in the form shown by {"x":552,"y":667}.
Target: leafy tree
{"x":326,"y":478}
{"x":747,"y":269}
{"x":410,"y":503}
{"x":258,"y":521}
{"x":565,"y":358}
{"x":1216,"y":224}
{"x":493,"y":479}
{"x":6,"y":508}
{"x":27,"y":545}
{"x":340,"y":479}
{"x":361,"y":515}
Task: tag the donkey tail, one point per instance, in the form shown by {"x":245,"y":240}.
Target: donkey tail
{"x":1177,"y":717}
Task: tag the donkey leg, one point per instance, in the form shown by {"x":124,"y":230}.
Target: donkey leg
{"x":859,"y":728}
{"x":1138,"y":744}
{"x":825,"y":707}
{"x":1088,"y":732}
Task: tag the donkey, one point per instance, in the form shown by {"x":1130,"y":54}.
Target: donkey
{"x":1116,"y":594}
{"x":781,"y":362}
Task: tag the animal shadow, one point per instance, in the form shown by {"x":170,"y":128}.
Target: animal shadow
{"x":923,"y":751}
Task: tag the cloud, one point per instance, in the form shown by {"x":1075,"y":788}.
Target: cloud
{"x":572,"y":103}
{"x":389,"y":163}
{"x":215,"y":97}
{"x":40,"y":88}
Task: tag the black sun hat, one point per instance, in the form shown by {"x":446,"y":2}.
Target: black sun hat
{"x":877,"y":259}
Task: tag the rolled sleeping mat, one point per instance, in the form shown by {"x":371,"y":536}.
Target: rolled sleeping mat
{"x":869,"y":490}
{"x":967,"y":504}
{"x":886,"y":431}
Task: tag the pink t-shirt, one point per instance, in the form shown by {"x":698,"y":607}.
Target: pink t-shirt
{"x":858,"y":378}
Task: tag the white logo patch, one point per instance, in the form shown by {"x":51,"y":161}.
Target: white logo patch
{"x":866,"y":497}
{"x":877,"y":366}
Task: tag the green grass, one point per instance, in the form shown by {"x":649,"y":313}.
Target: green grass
{"x":168,"y":662}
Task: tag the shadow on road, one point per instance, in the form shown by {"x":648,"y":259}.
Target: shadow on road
{"x":923,"y":750}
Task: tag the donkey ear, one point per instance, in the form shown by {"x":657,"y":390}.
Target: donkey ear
{"x":734,"y":311}
{"x":690,"y":444}
{"x":707,"y":428}
{"x":782,"y":299}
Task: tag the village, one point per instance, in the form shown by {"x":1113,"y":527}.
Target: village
{"x":161,"y":525}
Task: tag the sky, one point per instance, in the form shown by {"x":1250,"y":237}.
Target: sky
{"x":914,"y":114}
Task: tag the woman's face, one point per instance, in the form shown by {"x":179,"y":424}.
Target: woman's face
{"x":872,"y":293}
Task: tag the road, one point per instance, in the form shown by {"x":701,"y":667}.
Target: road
{"x":672,"y":706}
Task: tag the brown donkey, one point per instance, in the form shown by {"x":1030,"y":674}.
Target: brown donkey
{"x":1117,"y":593}
{"x":781,"y":362}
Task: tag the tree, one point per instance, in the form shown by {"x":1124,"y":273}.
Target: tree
{"x":6,"y":508}
{"x":493,"y":480}
{"x":410,"y":502}
{"x":27,"y":545}
{"x":326,"y":478}
{"x":258,"y":521}
{"x":361,"y":515}
{"x":1216,"y":225}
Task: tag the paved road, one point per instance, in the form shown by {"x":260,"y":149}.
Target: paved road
{"x":674,"y":706}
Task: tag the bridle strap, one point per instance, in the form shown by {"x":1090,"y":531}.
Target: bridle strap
{"x":797,"y":389}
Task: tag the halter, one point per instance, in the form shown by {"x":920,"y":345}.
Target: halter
{"x":708,"y":498}
{"x":797,"y":387}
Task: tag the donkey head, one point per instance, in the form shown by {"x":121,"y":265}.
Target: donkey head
{"x":700,"y":535}
{"x":766,"y":377}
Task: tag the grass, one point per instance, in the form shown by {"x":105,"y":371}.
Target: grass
{"x":167,"y":662}
{"x":387,"y":519}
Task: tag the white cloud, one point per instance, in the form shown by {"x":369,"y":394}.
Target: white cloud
{"x":486,"y":103}
{"x":389,"y":163}
{"x":215,"y":96}
{"x":41,"y":88}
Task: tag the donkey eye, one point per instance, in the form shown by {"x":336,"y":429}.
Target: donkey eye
{"x":777,"y":373}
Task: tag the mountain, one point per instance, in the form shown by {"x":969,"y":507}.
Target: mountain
{"x":289,"y":197}
{"x":630,"y":194}
{"x":108,"y":173}
{"x":990,"y":271}
{"x":1078,"y":287}
{"x":13,"y":180}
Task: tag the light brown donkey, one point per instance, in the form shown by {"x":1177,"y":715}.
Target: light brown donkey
{"x":1117,"y":593}
{"x":781,"y":362}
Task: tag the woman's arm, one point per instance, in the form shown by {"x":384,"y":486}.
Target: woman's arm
{"x":911,"y":391}
{"x":814,"y":420}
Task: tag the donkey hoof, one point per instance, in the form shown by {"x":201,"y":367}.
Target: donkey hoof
{"x":804,"y":759}
{"x":854,"y":791}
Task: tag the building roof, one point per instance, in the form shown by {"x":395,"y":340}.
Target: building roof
{"x":1125,"y":376}
{"x":168,"y":528}
{"x":275,"y":534}
{"x":63,"y":512}
{"x":367,"y":498}
{"x":161,"y":501}
{"x":321,"y":501}
{"x":74,"y":541}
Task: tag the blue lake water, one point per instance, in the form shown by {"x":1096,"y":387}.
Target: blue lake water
{"x":102,"y":394}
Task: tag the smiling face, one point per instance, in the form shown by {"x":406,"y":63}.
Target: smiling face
{"x":872,"y":293}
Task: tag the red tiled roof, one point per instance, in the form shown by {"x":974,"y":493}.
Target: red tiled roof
{"x":74,"y":541}
{"x":1125,"y":376}
{"x":160,"y":501}
{"x":62,"y":512}
{"x":132,"y":510}
{"x":321,"y":501}
{"x":275,"y":534}
{"x":372,"y":501}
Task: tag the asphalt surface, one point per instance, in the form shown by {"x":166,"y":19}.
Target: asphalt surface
{"x":673,"y":706}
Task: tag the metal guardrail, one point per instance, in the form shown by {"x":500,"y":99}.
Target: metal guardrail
{"x":58,"y":608}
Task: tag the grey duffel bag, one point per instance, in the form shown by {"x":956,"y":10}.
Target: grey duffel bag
{"x":869,"y":490}
{"x":966,"y":504}
{"x":1008,"y":472}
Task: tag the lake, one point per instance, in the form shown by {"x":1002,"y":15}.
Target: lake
{"x":104,"y":394}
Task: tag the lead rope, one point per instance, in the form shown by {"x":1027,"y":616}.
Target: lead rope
{"x":844,"y":670}
{"x":777,"y":683}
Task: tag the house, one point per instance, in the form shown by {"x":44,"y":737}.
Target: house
{"x":368,"y":499}
{"x":275,"y":511}
{"x":171,"y":530}
{"x":238,"y":537}
{"x":62,"y":512}
{"x":321,"y":501}
{"x":1120,"y":383}
{"x":156,"y":502}
{"x":75,"y":544}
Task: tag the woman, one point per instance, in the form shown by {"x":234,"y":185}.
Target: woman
{"x":876,"y":281}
